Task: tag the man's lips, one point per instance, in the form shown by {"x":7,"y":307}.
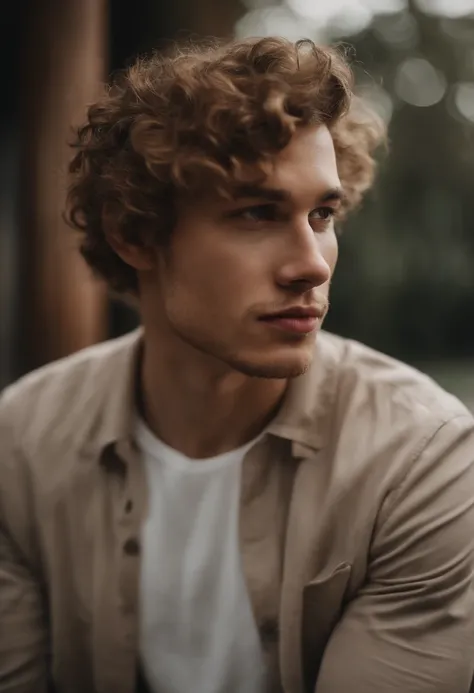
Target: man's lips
{"x":298,"y":319}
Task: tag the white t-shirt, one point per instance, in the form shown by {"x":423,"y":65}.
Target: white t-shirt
{"x":197,"y":630}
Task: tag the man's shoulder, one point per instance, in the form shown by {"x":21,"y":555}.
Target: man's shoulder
{"x":373,"y":381}
{"x":67,"y":390}
{"x":385,"y":416}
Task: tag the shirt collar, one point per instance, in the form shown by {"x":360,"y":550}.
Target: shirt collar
{"x":304,"y":417}
{"x":112,"y":419}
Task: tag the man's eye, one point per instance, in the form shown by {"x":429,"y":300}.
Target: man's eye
{"x":322,"y":213}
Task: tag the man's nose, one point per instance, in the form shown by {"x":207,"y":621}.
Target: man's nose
{"x":305,"y":266}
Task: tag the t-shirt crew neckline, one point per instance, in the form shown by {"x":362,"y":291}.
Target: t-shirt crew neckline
{"x":149,"y":443}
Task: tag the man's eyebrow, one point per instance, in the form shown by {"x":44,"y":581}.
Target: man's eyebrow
{"x":335,"y":194}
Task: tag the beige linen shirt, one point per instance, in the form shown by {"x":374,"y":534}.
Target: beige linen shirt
{"x":356,"y":528}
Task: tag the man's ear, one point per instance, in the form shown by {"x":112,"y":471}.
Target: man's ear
{"x":140,"y":255}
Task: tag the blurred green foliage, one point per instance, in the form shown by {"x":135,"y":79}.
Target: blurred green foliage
{"x":405,"y":280}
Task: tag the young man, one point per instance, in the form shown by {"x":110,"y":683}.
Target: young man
{"x":230,"y":499}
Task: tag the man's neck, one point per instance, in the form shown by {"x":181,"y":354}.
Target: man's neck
{"x":199,"y":410}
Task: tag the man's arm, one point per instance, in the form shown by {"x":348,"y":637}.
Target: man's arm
{"x":23,"y":632}
{"x":411,"y":627}
{"x":22,"y":626}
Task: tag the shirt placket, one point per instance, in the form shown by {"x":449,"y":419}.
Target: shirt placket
{"x":118,"y":673}
{"x":262,"y":511}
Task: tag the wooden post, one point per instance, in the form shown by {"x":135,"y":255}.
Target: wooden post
{"x":204,"y":18}
{"x":208,"y":17}
{"x":62,"y":308}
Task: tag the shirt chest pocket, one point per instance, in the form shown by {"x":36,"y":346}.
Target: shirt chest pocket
{"x":323,"y":602}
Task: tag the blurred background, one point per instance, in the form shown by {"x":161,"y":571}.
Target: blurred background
{"x":405,"y":281}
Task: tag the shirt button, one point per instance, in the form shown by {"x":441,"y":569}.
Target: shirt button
{"x":131,"y":547}
{"x":269,"y":632}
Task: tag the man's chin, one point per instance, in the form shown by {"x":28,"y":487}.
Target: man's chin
{"x":281,"y":366}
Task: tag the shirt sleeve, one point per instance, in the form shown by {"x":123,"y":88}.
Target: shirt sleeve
{"x":410,"y":629}
{"x":23,"y":631}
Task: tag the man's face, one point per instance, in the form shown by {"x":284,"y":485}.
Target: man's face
{"x":246,"y":281}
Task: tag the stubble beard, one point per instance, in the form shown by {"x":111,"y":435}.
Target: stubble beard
{"x":251,"y":367}
{"x":268,"y":371}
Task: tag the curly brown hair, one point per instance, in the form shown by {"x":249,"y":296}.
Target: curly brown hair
{"x":197,"y":117}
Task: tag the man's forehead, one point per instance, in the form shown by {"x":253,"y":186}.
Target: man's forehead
{"x":309,"y":153}
{"x":305,"y":167}
{"x":307,"y":164}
